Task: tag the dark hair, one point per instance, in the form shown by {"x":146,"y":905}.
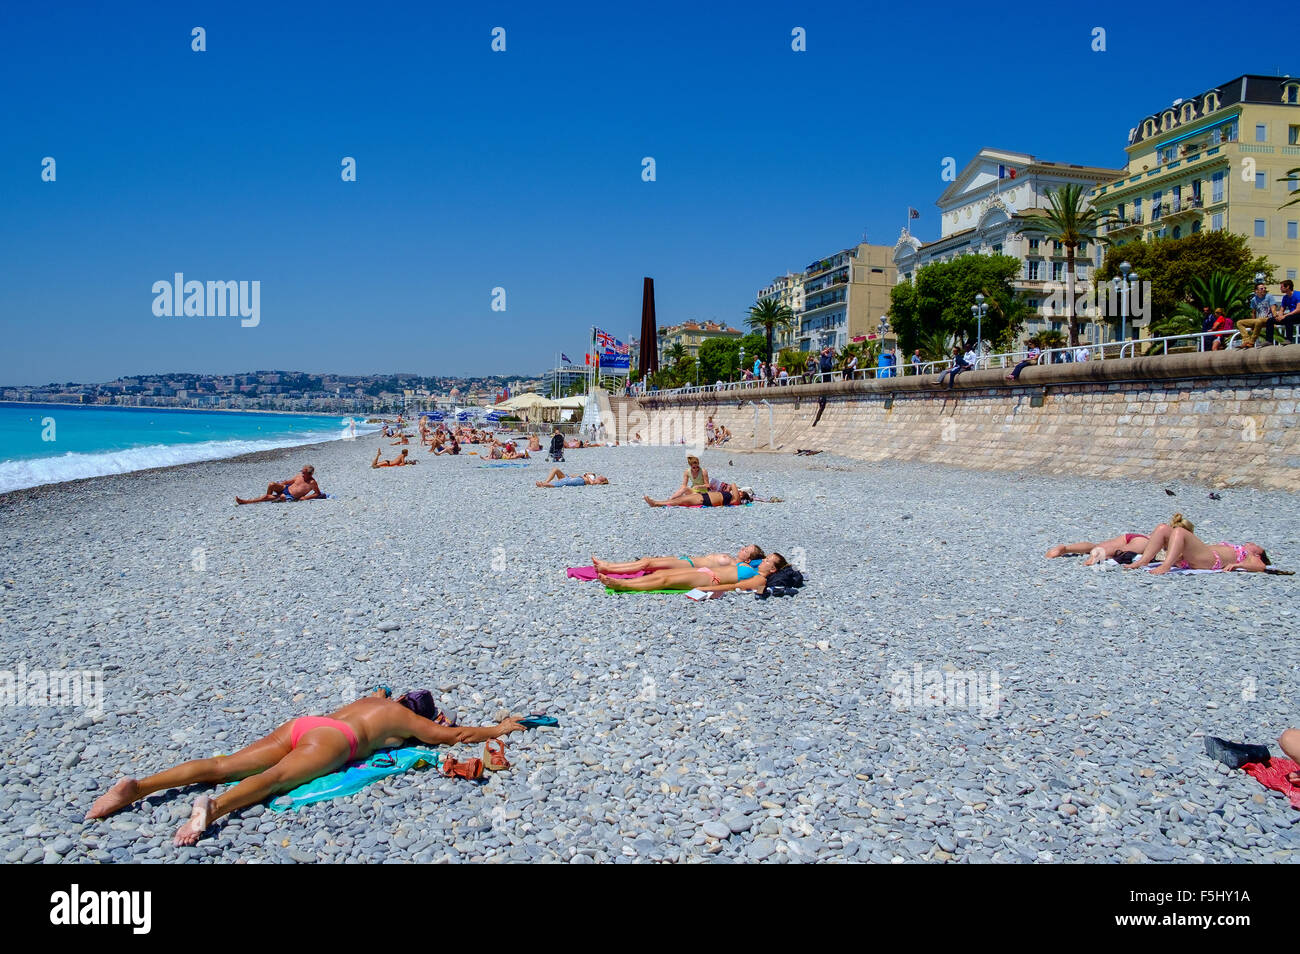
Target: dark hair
{"x":781,"y":563}
{"x":420,"y":701}
{"x":758,"y":552}
{"x":1263,"y":555}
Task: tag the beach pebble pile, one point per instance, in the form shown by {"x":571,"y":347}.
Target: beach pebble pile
{"x":937,"y":692}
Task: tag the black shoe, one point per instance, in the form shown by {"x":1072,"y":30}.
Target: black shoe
{"x":1234,"y":754}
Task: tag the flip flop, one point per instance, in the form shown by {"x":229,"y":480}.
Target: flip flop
{"x":537,"y":721}
{"x":470,"y":769}
{"x":494,"y":755}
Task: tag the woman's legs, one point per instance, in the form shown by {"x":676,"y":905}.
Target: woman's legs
{"x":660,"y":580}
{"x":1185,"y":547}
{"x":253,"y":758}
{"x":1290,"y":742}
{"x":1157,"y":541}
{"x":319,"y":752}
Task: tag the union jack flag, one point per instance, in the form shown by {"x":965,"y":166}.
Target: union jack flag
{"x":605,"y":339}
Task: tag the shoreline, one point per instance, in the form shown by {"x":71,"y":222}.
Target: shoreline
{"x":152,"y":407}
{"x":38,"y":491}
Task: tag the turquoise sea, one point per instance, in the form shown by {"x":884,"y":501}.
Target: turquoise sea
{"x":49,"y":443}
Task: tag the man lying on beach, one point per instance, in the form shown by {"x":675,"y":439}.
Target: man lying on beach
{"x":297,"y":752}
{"x":399,"y":461}
{"x":557,"y":478}
{"x":751,"y":554}
{"x":301,"y":486}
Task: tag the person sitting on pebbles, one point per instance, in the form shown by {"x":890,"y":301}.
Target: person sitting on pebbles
{"x":297,"y":752}
{"x":401,"y":460}
{"x":557,"y":478}
{"x":751,"y":554}
{"x":301,"y":486}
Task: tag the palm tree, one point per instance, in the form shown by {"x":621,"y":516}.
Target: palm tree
{"x":935,"y":345}
{"x":1292,"y":175}
{"x":1070,"y":221}
{"x":676,"y":352}
{"x":771,"y":316}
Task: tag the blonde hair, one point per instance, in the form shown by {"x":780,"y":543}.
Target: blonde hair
{"x":1178,"y":520}
{"x":693,"y":460}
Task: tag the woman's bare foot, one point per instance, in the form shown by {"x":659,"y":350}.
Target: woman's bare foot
{"x":1160,"y":570}
{"x":652,"y":502}
{"x":1293,"y":778}
{"x":1056,"y":551}
{"x":542,"y":483}
{"x":1095,"y":555}
{"x":200,"y":818}
{"x":122,"y":794}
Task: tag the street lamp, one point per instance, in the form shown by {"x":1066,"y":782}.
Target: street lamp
{"x":1125,"y":285}
{"x":978,"y":311}
{"x":742,"y":363}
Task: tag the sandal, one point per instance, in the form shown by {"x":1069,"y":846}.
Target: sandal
{"x":494,"y":755}
{"x":470,"y":769}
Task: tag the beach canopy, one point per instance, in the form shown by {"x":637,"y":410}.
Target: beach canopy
{"x":526,"y":401}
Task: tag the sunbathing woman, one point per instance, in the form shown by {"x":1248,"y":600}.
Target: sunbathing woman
{"x":742,"y":576}
{"x":750,"y":554}
{"x":399,"y":461}
{"x":557,"y":478}
{"x":728,"y":496}
{"x":1186,"y":551}
{"x":1135,"y":543}
{"x":297,"y":752}
{"x":695,"y":479}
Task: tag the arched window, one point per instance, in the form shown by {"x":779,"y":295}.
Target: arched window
{"x":1187,"y":112}
{"x":1211,"y":101}
{"x":1291,"y":93}
{"x":1178,"y":231}
{"x":1148,"y":128}
{"x":1168,"y":120}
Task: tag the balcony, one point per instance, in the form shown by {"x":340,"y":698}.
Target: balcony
{"x":1184,"y":209}
{"x":1124,"y":225}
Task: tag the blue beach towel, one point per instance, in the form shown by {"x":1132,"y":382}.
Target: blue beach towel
{"x":503,"y":463}
{"x":354,"y":778}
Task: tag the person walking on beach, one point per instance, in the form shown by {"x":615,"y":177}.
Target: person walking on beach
{"x":301,"y":486}
{"x":297,"y":752}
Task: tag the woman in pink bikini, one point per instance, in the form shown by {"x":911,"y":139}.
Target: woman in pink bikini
{"x":741,"y":576}
{"x":299,"y":751}
{"x":1185,"y":551}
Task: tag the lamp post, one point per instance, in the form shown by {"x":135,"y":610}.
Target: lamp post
{"x":1125,"y":285}
{"x":742,"y":364}
{"x":978,"y":311}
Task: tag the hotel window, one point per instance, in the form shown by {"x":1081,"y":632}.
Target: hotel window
{"x":1216,"y":188}
{"x":1260,"y":181}
{"x":1216,"y":222}
{"x":1156,"y":208}
{"x":1196,"y":227}
{"x":1137,"y":209}
{"x":1178,"y":231}
{"x":1033,"y":245}
{"x":1033,"y":271}
{"x":1290,"y":273}
{"x":1293,"y":135}
{"x":1291,"y":230}
{"x":1261,"y":132}
{"x":1260,"y":228}
{"x":1057,"y":270}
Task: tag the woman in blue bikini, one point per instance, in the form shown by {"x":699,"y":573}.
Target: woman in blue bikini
{"x":742,"y":576}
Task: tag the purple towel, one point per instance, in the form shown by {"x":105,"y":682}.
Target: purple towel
{"x":588,"y":573}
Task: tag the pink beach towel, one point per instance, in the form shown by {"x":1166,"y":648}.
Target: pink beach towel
{"x":1273,"y":776}
{"x":588,"y":573}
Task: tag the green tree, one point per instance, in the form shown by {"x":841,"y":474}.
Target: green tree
{"x":771,"y":316}
{"x":1173,"y":265}
{"x":1069,"y":220}
{"x":939,"y":300}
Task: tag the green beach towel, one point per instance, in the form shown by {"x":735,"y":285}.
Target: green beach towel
{"x":354,"y":778}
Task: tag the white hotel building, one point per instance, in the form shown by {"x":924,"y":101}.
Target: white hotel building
{"x":981,"y":212}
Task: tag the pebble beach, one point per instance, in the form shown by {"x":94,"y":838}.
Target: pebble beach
{"x":819,"y":727}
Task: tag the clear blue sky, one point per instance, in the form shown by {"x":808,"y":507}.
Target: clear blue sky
{"x":519,"y":169}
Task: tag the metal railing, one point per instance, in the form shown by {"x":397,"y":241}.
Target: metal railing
{"x":1204,"y":341}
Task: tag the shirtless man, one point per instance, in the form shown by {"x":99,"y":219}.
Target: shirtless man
{"x":399,"y":461}
{"x":296,"y":752}
{"x":301,"y":486}
{"x":750,"y":553}
{"x":557,"y":478}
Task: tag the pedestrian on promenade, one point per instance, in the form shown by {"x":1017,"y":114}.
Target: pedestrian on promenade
{"x":1288,"y":315}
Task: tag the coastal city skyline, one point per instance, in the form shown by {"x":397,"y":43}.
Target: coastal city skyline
{"x":436,"y":231}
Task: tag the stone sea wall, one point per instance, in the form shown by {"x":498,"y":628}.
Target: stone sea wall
{"x":1221,"y":418}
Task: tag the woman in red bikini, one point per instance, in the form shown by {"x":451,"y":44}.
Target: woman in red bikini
{"x":297,"y":752}
{"x":1136,"y":543}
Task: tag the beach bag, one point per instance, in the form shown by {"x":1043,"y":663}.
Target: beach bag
{"x":787,"y":577}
